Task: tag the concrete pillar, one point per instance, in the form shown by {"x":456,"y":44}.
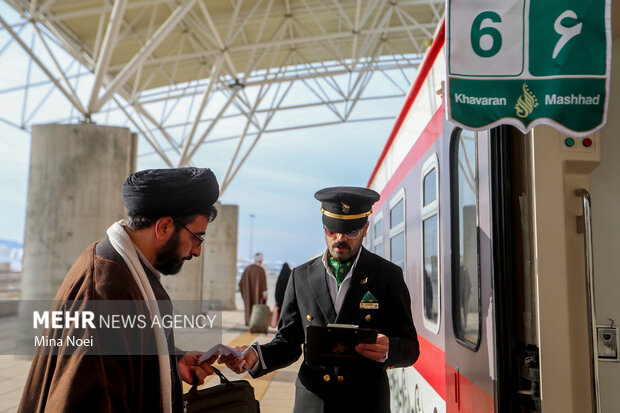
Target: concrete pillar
{"x":220,"y":257}
{"x":74,"y":195}
{"x":212,"y":276}
{"x":187,"y":284}
{"x":185,"y":288}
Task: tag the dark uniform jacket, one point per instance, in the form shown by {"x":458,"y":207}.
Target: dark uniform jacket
{"x":307,"y":302}
{"x":101,"y":383}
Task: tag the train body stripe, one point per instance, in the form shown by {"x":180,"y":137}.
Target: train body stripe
{"x":423,"y":71}
{"x":443,"y":379}
{"x":431,"y":366}
{"x":430,"y":134}
{"x":471,"y":398}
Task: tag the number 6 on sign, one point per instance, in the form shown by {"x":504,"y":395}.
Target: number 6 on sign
{"x":486,"y":38}
{"x":477,"y":33}
{"x":567,"y":33}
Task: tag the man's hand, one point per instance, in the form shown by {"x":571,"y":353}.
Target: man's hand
{"x":377,"y":351}
{"x":239,"y":364}
{"x":190,"y":368}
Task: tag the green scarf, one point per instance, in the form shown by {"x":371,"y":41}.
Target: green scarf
{"x":340,"y":269}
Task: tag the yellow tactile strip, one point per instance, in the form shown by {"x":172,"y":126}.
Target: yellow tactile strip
{"x":260,"y":384}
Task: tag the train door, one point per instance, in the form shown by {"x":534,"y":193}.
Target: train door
{"x":605,"y":200}
{"x":467,"y":275}
{"x":517,"y":380}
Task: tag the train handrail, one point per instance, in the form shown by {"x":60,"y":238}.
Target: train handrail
{"x":586,"y":229}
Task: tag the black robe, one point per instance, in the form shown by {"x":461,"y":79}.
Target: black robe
{"x":101,"y":383}
{"x":285,"y":274}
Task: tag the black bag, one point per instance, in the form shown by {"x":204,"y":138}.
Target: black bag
{"x":229,"y":396}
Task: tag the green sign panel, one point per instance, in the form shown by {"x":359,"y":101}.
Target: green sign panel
{"x":525,"y":63}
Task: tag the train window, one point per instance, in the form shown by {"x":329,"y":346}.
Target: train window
{"x":465,"y":248}
{"x":397,"y":250}
{"x":379,"y":227}
{"x":397,"y":229}
{"x":379,"y":248}
{"x":397,"y":213}
{"x":430,"y":245}
{"x":377,"y":242}
{"x":430,"y":187}
{"x":430,"y":269}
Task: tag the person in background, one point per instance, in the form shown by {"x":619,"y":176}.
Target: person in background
{"x":253,"y":286}
{"x":347,"y":284}
{"x":285,"y":273}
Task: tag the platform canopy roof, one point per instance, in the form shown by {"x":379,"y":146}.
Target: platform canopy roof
{"x":229,"y":57}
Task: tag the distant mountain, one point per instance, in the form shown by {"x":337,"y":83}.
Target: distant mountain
{"x":9,"y":243}
{"x":11,"y":252}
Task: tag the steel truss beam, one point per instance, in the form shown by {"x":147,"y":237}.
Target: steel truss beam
{"x":284,"y":46}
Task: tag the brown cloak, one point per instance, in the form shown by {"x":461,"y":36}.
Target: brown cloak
{"x":95,"y":383}
{"x":252,"y":285}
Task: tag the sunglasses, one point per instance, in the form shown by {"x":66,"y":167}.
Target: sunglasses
{"x":350,"y":235}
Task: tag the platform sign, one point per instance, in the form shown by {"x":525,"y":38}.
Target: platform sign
{"x":525,"y":63}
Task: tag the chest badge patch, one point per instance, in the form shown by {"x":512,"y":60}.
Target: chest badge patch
{"x":369,"y":302}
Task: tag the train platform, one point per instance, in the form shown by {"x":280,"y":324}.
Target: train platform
{"x":275,"y":391}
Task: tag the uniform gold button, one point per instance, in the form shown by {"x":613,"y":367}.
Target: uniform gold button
{"x":326,"y":377}
{"x":340,"y":379}
{"x":364,"y":281}
{"x":368,"y":317}
{"x":309,"y":317}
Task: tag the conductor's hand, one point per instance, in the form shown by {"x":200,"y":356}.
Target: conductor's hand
{"x":377,"y":351}
{"x":190,"y":368}
{"x":239,"y":364}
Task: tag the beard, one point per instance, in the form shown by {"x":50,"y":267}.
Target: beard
{"x":168,"y":260}
{"x":341,"y":256}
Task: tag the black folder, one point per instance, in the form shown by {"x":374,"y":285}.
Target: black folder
{"x":334,"y":346}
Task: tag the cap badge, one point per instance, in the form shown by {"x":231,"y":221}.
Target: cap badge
{"x":345,"y":207}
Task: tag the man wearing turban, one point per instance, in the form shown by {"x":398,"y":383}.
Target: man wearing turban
{"x":168,"y":211}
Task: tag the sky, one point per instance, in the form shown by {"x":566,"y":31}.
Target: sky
{"x":276,"y":184}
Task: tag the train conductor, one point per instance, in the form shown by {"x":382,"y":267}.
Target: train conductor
{"x":346,"y":285}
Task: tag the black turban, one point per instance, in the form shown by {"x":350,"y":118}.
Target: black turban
{"x":155,"y":193}
{"x":346,"y":208}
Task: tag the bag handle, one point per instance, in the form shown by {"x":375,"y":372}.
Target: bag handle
{"x":223,"y":380}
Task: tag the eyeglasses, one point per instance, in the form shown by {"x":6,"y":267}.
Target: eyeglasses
{"x":349,"y":235}
{"x":200,"y":238}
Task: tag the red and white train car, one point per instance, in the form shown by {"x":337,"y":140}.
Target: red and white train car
{"x":514,"y":293}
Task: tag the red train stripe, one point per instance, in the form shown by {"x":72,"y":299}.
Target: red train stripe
{"x":431,"y":365}
{"x":464,"y":396}
{"x":459,"y":393}
{"x":419,"y":148}
{"x":423,"y":71}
